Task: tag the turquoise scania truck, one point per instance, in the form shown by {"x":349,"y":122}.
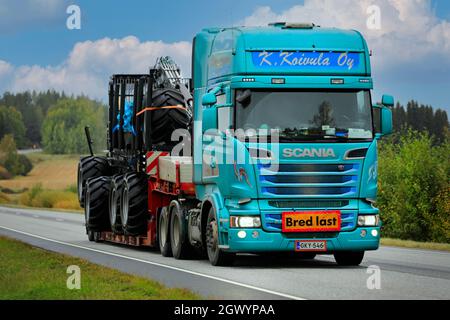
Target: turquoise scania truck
{"x":279,"y":155}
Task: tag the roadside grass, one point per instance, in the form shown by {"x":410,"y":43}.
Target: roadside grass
{"x":415,"y":245}
{"x":32,"y":273}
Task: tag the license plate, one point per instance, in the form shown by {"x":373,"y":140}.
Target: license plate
{"x":306,"y":245}
{"x":311,"y":221}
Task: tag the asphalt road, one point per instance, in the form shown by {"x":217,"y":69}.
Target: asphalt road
{"x":404,"y":273}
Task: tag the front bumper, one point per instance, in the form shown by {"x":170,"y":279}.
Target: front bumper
{"x":274,"y":241}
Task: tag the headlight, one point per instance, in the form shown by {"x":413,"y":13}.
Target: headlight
{"x":368,"y":221}
{"x":245,"y":222}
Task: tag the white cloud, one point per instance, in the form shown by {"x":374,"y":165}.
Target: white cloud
{"x":410,"y":31}
{"x":90,"y":64}
{"x":411,"y":50}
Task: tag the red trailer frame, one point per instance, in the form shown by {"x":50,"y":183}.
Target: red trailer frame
{"x":160,"y":194}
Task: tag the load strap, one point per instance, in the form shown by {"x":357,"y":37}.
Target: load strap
{"x":159,"y":108}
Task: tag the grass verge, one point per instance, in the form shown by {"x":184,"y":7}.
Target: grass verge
{"x":32,"y":273}
{"x":415,"y":245}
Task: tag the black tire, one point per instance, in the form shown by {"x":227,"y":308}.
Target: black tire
{"x":164,"y":232}
{"x":179,"y":242}
{"x":216,"y":256}
{"x":349,"y":258}
{"x":165,"y":121}
{"x":96,"y":204}
{"x":90,"y":167}
{"x":91,"y":235}
{"x":115,"y":194}
{"x":134,"y":204}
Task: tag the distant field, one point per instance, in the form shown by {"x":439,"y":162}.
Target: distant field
{"x":36,"y":274}
{"x":55,"y":172}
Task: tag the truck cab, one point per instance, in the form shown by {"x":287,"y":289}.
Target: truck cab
{"x":285,"y":141}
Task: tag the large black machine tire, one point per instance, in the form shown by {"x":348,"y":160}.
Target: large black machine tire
{"x":96,"y":205}
{"x":166,"y":120}
{"x":134,"y":204}
{"x":90,"y":167}
{"x":163,"y":232}
{"x":216,"y":256}
{"x":115,"y":195}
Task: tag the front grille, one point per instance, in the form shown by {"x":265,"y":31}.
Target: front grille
{"x":303,"y":180}
{"x":309,"y":204}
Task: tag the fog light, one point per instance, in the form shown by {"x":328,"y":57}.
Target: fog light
{"x":363,"y":233}
{"x":242,"y":234}
{"x":374,"y":233}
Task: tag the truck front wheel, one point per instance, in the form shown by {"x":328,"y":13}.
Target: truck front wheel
{"x":349,"y":258}
{"x":216,"y":256}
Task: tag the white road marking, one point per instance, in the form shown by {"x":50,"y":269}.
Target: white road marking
{"x":283,"y":295}
{"x":59,"y":219}
{"x":35,"y":216}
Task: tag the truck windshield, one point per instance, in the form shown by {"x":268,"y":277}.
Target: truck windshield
{"x":306,"y":115}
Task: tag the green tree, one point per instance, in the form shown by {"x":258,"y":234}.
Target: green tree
{"x":11,"y":123}
{"x":15,"y":163}
{"x":414,"y":180}
{"x":63,"y":128}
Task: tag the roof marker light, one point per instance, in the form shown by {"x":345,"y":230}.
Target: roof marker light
{"x":278,"y":81}
{"x":248,"y":79}
{"x":337,"y":81}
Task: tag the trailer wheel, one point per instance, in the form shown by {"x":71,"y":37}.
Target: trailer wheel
{"x":163,"y":233}
{"x":134,"y":204}
{"x":216,"y":256}
{"x":349,"y":258}
{"x":115,"y":194}
{"x":96,"y":204}
{"x":181,"y":248}
{"x":90,"y":167}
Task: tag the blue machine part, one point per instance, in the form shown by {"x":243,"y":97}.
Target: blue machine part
{"x":127,"y":116}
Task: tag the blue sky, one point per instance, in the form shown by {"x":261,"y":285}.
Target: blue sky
{"x":38,"y":45}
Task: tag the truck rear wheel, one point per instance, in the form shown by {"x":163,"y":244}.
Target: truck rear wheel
{"x":349,"y":258}
{"x":134,"y":204}
{"x":181,"y":248}
{"x":163,"y":233}
{"x":216,"y":256}
{"x":90,"y":167}
{"x":115,"y":194}
{"x":96,"y":204}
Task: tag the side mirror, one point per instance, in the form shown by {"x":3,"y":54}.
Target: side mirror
{"x":385,"y":120}
{"x":387,"y":100}
{"x":209,"y":99}
{"x":209,"y":119}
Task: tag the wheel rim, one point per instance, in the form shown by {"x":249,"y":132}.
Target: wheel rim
{"x":80,"y":185}
{"x":125,"y":206}
{"x":212,"y":238}
{"x":87,"y":206}
{"x":176,"y":231}
{"x":163,"y":230}
{"x":113,"y":206}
